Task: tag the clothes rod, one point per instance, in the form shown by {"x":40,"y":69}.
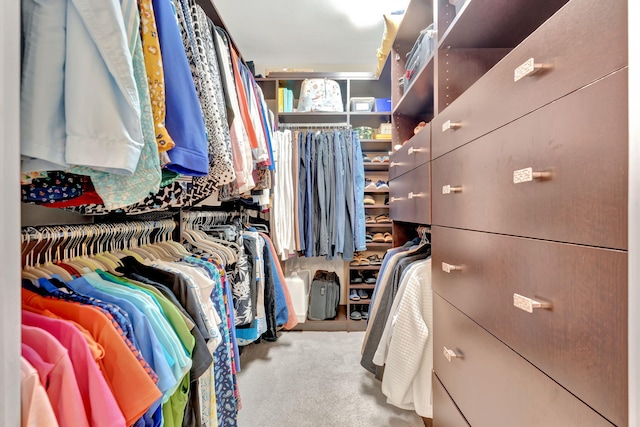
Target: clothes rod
{"x":314,"y":126}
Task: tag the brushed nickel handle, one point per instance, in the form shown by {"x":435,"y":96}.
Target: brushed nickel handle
{"x":413,"y":195}
{"x":528,"y":68}
{"x":394,"y":164}
{"x":392,"y":199}
{"x":529,"y":304}
{"x":448,"y":268}
{"x":449,"y":125}
{"x":528,"y":174}
{"x":413,"y":150}
{"x":448,"y":189}
{"x":450,"y":354}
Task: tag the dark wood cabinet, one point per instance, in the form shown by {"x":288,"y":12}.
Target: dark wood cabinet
{"x":494,"y":386}
{"x":578,"y":143}
{"x":580,"y":340}
{"x":527,"y":182}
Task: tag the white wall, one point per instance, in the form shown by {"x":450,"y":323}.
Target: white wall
{"x":634,"y":213}
{"x":10,"y":214}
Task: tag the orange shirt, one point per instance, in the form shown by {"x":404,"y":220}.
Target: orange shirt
{"x":132,"y":387}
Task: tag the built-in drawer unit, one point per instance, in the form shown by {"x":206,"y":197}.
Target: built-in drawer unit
{"x":445,"y":412}
{"x":582,"y":42}
{"x":559,"y":173}
{"x":405,"y":203}
{"x":413,"y":153}
{"x":560,"y":306}
{"x":492,"y":384}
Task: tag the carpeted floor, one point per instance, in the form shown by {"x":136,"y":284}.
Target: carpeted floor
{"x":313,"y":379}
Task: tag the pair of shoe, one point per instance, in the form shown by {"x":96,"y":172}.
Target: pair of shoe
{"x":369,"y":184}
{"x":374,"y":259}
{"x":358,"y":294}
{"x":362,"y":313}
{"x":359,"y":260}
{"x":382,"y":219}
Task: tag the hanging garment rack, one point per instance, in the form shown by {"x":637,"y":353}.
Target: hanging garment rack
{"x":45,"y":244}
{"x":299,"y":126}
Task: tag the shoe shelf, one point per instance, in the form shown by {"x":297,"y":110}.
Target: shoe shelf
{"x":376,"y":206}
{"x":383,"y":225}
{"x":364,"y":267}
{"x":376,"y":245}
{"x":376,"y":191}
{"x":376,"y":166}
{"x":361,"y":286}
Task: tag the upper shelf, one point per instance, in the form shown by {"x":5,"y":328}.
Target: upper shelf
{"x":418,"y":97}
{"x":418,"y":16}
{"x":497,"y":24}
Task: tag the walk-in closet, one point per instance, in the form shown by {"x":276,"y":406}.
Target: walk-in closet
{"x":398,"y":213}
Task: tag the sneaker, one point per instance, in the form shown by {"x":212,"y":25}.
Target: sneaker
{"x":369,"y":185}
{"x":353,"y":296}
{"x":381,"y":185}
{"x":365,"y":312}
{"x":363,"y":294}
{"x":368,"y":200}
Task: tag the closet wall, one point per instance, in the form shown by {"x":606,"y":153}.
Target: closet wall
{"x":10,"y":213}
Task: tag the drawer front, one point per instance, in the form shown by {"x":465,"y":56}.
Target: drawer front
{"x":445,"y":412}
{"x":410,"y":196}
{"x":580,"y":340}
{"x":492,"y":385}
{"x":578,"y":144}
{"x":572,"y":55}
{"x":413,"y":153}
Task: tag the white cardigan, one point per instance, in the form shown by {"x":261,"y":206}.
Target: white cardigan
{"x":406,"y":346}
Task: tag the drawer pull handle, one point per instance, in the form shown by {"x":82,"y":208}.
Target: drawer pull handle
{"x":529,"y":304}
{"x":448,"y":268}
{"x":413,"y":195}
{"x":527,"y":69}
{"x":449,"y":125}
{"x":448,"y":189}
{"x":394,"y":164}
{"x":413,"y":150}
{"x":527,"y":175}
{"x":450,"y":354}
{"x":393,"y":199}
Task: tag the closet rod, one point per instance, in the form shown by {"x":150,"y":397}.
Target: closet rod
{"x":314,"y":126}
{"x":90,"y":238}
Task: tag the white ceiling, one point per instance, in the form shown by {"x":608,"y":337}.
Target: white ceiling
{"x":322,"y":35}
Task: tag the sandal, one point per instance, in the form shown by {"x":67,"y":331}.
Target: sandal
{"x":369,"y":220}
{"x":355,"y":315}
{"x":378,"y":238}
{"x":382,"y":219}
{"x":388,"y":238}
{"x":374,"y":259}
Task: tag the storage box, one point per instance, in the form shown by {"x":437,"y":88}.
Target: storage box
{"x":385,"y":128}
{"x":419,"y":54}
{"x":362,"y":105}
{"x":383,"y":105}
{"x":298,"y":286}
{"x":364,"y":132}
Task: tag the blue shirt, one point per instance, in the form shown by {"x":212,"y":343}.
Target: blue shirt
{"x":184,"y":118}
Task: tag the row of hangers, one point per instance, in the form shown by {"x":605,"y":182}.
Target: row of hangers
{"x":199,"y":231}
{"x":61,"y":250}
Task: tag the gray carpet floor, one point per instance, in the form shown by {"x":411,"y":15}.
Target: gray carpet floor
{"x":313,"y":379}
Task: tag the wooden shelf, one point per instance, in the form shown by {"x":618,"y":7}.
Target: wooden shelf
{"x":497,"y":24}
{"x":379,"y":245}
{"x":364,"y":267}
{"x":376,"y":206}
{"x":370,"y":113}
{"x":418,"y":97}
{"x":360,"y":302}
{"x":369,"y":141}
{"x":312,"y":114}
{"x":376,"y":191}
{"x":376,"y":166}
{"x":337,"y":324}
{"x":382,"y":225}
{"x":361,"y":286}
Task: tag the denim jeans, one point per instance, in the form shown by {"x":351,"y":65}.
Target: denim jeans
{"x":358,"y":176}
{"x":349,"y":244}
{"x":341,"y":201}
{"x":302,"y":188}
{"x":309,"y":202}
